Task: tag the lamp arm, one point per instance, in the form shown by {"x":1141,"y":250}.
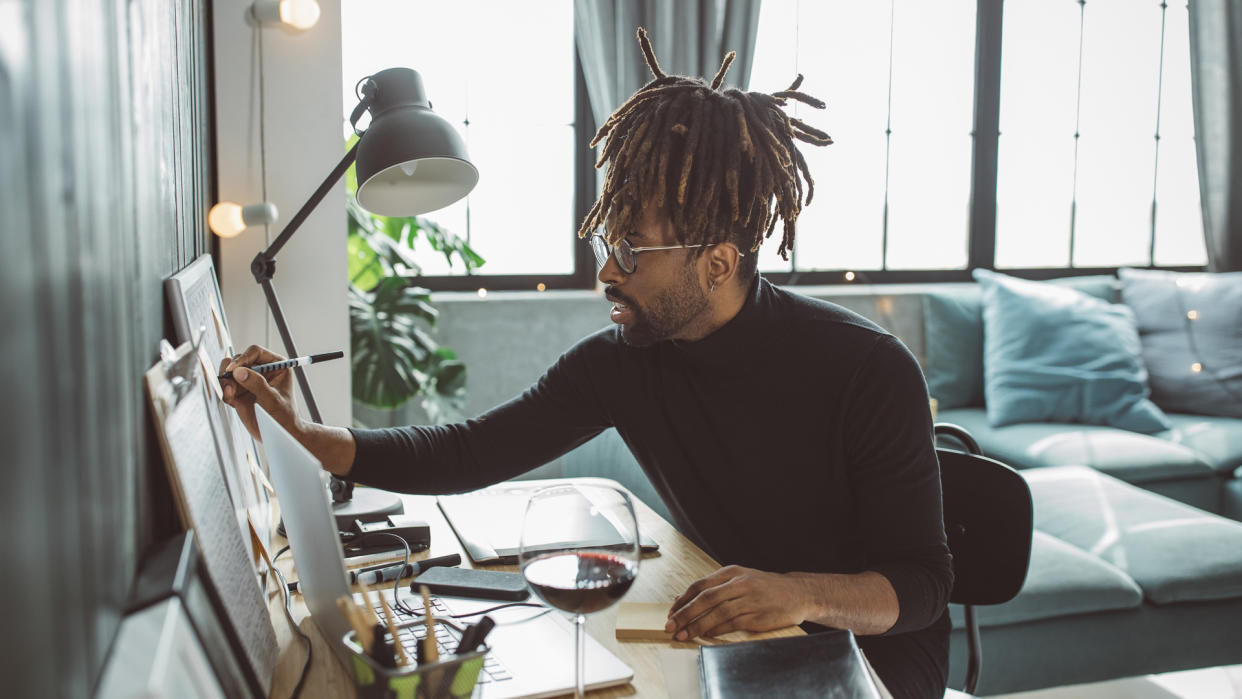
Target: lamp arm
{"x":265,"y":271}
{"x":269,"y":292}
{"x":263,"y":267}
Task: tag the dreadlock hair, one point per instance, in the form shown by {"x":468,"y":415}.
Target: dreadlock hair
{"x":721,"y":164}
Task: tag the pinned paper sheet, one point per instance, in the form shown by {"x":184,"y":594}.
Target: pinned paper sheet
{"x":212,"y":379}
{"x":642,"y":621}
{"x":222,"y":332}
{"x":258,"y":474}
{"x":259,"y":545}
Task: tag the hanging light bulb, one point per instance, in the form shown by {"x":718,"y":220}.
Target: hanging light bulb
{"x":299,"y":14}
{"x":228,"y":220}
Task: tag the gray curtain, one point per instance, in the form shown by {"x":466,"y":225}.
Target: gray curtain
{"x":690,"y":37}
{"x":1216,"y":78}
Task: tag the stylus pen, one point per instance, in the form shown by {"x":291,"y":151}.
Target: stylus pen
{"x":288,"y":363}
{"x":387,"y":572}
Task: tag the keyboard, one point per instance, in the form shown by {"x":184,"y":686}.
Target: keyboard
{"x":446,"y":640}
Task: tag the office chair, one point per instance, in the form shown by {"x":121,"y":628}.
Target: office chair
{"x":988,"y":519}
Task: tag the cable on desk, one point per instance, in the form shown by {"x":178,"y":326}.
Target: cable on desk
{"x":284,"y":593}
{"x":405,"y":545}
{"x":466,"y":615}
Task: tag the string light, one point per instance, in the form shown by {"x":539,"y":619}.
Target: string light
{"x":1196,"y":367}
{"x":849,"y":276}
{"x":482,"y":293}
{"x":299,"y":14}
{"x":1193,"y":315}
{"x":228,"y":219}
{"x":541,"y":287}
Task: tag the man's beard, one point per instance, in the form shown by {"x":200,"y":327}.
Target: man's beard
{"x":667,"y":314}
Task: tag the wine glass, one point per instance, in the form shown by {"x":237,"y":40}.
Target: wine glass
{"x":579,"y":552}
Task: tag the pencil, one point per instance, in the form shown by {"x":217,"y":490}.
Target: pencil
{"x":430,"y":653}
{"x":392,"y":630}
{"x":355,"y":618}
{"x":367,"y":609}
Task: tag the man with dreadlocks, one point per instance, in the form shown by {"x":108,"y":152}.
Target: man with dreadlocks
{"x":789,"y":437}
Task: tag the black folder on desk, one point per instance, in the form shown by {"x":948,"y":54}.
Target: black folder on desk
{"x":814,"y":666}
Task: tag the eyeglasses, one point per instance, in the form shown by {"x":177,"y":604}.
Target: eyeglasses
{"x":624,"y":253}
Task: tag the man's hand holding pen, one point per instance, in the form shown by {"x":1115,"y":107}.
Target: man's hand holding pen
{"x":246,"y":388}
{"x":273,"y":391}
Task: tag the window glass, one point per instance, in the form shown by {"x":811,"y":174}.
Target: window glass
{"x":1117,"y":122}
{"x":1179,"y":218}
{"x":843,"y":48}
{"x":1116,"y":73}
{"x":507,"y":84}
{"x":1038,"y":108}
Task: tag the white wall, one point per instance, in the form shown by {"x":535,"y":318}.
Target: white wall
{"x":278,"y":135}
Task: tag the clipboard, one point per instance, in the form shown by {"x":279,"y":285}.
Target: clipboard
{"x":197,"y":310}
{"x":178,"y":392}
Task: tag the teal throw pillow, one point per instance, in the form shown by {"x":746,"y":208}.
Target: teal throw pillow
{"x":953,"y":329}
{"x":953,"y":333}
{"x":1054,"y":354}
{"x":1190,"y":325}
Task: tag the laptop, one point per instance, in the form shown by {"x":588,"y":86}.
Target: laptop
{"x":531,"y":651}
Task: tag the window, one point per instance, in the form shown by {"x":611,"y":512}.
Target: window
{"x":1094,"y":165}
{"x":1096,"y":160}
{"x":893,"y":191}
{"x":508,"y":84}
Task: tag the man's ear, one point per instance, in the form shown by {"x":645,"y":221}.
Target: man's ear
{"x":722,"y":263}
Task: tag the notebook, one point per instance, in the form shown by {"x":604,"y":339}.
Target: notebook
{"x":814,"y":666}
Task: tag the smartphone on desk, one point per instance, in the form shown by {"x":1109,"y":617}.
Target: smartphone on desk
{"x":470,"y":582}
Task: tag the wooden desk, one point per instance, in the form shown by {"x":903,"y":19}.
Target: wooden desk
{"x":661,"y":578}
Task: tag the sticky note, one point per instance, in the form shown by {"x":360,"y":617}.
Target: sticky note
{"x":212,"y":379}
{"x":642,"y":621}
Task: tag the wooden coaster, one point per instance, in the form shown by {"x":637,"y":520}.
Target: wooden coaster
{"x":642,"y":621}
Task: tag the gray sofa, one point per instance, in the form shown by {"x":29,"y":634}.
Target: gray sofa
{"x":1133,"y":568}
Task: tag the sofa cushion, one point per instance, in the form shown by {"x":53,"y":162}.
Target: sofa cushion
{"x":1217,"y":439}
{"x":1174,"y":552}
{"x":953,"y":334}
{"x":1063,"y":580}
{"x":1058,"y":355}
{"x":1132,"y":457}
{"x":1194,"y":363}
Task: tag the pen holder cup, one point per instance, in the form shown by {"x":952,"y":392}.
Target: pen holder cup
{"x":453,"y":678}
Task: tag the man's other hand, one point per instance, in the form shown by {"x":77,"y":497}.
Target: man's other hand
{"x":739,"y":599}
{"x":273,"y":391}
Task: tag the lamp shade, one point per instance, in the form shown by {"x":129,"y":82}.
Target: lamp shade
{"x":410,"y":160}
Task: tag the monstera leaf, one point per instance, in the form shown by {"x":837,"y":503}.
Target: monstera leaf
{"x":394,"y":358}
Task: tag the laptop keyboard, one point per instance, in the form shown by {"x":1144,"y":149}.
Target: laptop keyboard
{"x":446,"y":642}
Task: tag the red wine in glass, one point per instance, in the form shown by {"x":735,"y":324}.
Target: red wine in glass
{"x":580,"y":582}
{"x":579,"y":552}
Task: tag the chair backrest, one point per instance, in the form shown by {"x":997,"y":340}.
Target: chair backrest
{"x":988,"y":519}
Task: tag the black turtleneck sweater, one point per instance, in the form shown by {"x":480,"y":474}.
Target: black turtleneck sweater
{"x":795,"y":438}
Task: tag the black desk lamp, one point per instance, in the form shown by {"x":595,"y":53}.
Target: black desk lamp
{"x":410,"y":161}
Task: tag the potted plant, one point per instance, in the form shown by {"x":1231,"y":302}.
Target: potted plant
{"x":394,"y":357}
